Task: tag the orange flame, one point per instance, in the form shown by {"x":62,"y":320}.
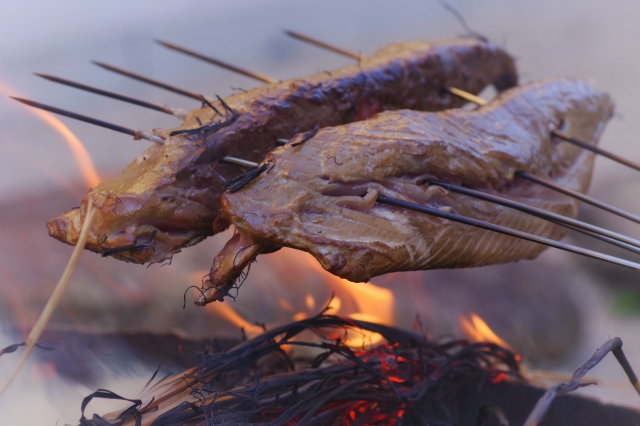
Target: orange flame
{"x":359,"y":301}
{"x":370,"y":303}
{"x":477,"y":330}
{"x":226,"y":311}
{"x":83,"y":160}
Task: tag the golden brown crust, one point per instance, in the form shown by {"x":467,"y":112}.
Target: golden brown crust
{"x":320,"y":196}
{"x":174,"y":189}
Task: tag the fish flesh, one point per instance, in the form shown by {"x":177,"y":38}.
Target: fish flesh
{"x":168,"y":198}
{"x":320,"y":196}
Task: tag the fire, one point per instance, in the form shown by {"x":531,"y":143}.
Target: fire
{"x":370,"y":302}
{"x":359,"y":301}
{"x":477,"y":330}
{"x":227,"y":312}
{"x":80,"y":154}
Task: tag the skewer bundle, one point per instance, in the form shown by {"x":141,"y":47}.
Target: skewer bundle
{"x":169,"y":197}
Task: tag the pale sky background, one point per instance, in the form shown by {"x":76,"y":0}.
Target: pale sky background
{"x":549,"y":38}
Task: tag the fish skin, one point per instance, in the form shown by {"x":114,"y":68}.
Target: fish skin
{"x":319,"y":197}
{"x":174,"y":188}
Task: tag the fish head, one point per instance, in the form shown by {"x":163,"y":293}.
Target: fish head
{"x":160,"y":203}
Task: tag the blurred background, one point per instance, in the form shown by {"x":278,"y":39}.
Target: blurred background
{"x":554,"y":311}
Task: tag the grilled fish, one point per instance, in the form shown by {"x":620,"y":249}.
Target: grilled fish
{"x":168,"y":197}
{"x":320,"y":196}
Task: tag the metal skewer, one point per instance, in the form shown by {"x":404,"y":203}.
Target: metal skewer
{"x":177,"y":112}
{"x":585,"y":198}
{"x":240,"y":161}
{"x":507,"y":231}
{"x":324,"y":45}
{"x":152,"y":82}
{"x":254,"y":75}
{"x":481,"y":102}
{"x":597,"y":150}
{"x":576,"y":225}
{"x":137,"y":134}
{"x":612,"y":241}
{"x":486,"y":225}
{"x":473,"y":99}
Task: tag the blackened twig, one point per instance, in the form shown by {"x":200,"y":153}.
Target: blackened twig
{"x":206,"y":102}
{"x":232,"y":388}
{"x":624,"y":363}
{"x":153,"y":376}
{"x":307,"y":135}
{"x":244,"y":179}
{"x":212,"y":127}
{"x":107,"y":394}
{"x":461,"y":20}
{"x":226,"y":106}
{"x":12,"y":348}
{"x":612,"y":345}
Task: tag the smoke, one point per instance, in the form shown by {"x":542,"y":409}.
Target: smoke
{"x":41,"y":395}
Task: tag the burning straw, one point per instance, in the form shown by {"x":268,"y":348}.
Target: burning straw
{"x":263,"y":381}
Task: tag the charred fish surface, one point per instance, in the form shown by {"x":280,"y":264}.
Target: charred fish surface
{"x":320,"y":196}
{"x":173,"y":189}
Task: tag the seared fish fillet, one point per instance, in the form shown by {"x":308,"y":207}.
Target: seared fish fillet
{"x":320,"y":196}
{"x":169,"y":197}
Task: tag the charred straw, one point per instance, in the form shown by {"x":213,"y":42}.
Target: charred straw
{"x":207,"y":128}
{"x":213,"y":126}
{"x":245,"y":179}
{"x":306,"y":136}
{"x":257,"y":382}
{"x":12,"y":348}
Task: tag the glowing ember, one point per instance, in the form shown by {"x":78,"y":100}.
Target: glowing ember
{"x":80,"y":154}
{"x":258,"y":382}
{"x":477,"y":330}
{"x":358,"y":301}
